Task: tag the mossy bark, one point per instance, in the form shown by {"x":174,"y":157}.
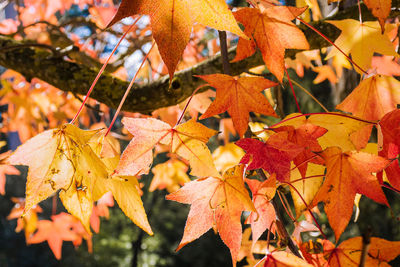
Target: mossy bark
{"x":76,"y":78}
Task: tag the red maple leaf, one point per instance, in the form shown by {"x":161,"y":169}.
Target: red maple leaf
{"x":274,"y":156}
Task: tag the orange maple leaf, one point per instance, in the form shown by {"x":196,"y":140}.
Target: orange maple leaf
{"x":389,"y":140}
{"x":277,"y":258}
{"x":272,"y":31}
{"x":347,"y":174}
{"x":325,"y":72}
{"x":348,"y":253}
{"x":304,"y":136}
{"x":28,"y":222}
{"x":239,"y":96}
{"x":56,"y":231}
{"x":218,"y":203}
{"x":373,"y":98}
{"x":380,"y":9}
{"x":172,"y":21}
{"x":264,"y":217}
{"x":187,"y":140}
{"x":386,"y":65}
{"x":169,"y":175}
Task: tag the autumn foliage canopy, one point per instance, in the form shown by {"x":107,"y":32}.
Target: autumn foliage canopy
{"x":326,"y":161}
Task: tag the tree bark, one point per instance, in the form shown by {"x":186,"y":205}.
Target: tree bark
{"x":76,"y":78}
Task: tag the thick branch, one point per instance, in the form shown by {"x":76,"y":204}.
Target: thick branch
{"x":76,"y":78}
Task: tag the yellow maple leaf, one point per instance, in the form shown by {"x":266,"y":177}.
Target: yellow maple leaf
{"x":227,"y":156}
{"x":362,"y":40}
{"x":61,"y":159}
{"x":305,"y":188}
{"x":169,"y":175}
{"x":125,"y":189}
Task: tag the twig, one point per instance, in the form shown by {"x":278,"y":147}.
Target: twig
{"x":21,"y":46}
{"x":224,"y":52}
{"x":309,"y":94}
{"x":136,"y":245}
{"x":294,"y":93}
{"x":366,"y":241}
{"x":98,"y":110}
{"x":280,"y":220}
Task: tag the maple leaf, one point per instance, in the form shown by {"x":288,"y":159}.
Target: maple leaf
{"x":301,"y":227}
{"x":313,"y":251}
{"x":216,"y":202}
{"x":272,"y":31}
{"x":362,"y":40}
{"x":348,"y":253}
{"x":61,"y":159}
{"x":373,"y":98}
{"x":81,"y":234}
{"x":239,"y":96}
{"x":265,"y":216}
{"x":386,"y":65}
{"x":305,"y":186}
{"x":28,"y":222}
{"x":344,"y":131}
{"x":104,"y":146}
{"x":199,"y":103}
{"x":325,"y":72}
{"x":248,"y":247}
{"x":347,"y":174}
{"x":187,"y":140}
{"x":227,"y":156}
{"x":274,"y":156}
{"x":282,"y":259}
{"x":126,"y":191}
{"x":172,"y":20}
{"x":304,"y":136}
{"x":303,"y":60}
{"x":380,"y":9}
{"x":388,"y":137}
{"x":169,"y":175}
{"x":56,"y":231}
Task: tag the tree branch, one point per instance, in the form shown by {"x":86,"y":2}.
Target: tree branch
{"x":76,"y":78}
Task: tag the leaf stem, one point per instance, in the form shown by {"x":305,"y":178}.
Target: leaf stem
{"x":306,"y":178}
{"x":187,"y":104}
{"x":332,"y":43}
{"x":294,"y":94}
{"x":391,"y":188}
{"x":366,"y":242}
{"x":127,"y":91}
{"x":286,"y":206}
{"x":359,"y":11}
{"x":305,"y":204}
{"x":323,"y":113}
{"x":101,"y":71}
{"x":309,"y":94}
{"x":304,"y":162}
